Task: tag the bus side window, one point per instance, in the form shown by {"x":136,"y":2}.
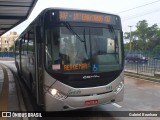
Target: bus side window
{"x":31,"y":47}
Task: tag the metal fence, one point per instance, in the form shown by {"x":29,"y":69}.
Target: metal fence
{"x":151,"y":67}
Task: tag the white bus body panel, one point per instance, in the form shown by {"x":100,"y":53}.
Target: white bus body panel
{"x":76,"y":100}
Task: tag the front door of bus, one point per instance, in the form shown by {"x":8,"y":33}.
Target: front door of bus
{"x":39,"y":74}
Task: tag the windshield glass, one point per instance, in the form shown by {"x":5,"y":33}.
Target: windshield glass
{"x":78,"y":49}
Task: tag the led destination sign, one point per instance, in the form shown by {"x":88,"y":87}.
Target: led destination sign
{"x":69,"y":67}
{"x":86,"y":17}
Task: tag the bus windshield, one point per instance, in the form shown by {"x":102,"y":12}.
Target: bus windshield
{"x":83,"y":49}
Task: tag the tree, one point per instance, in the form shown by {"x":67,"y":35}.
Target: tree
{"x":142,"y":30}
{"x":145,"y":37}
{"x":156,"y":50}
{"x":11,"y":48}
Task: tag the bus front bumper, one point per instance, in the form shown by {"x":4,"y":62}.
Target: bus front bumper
{"x":79,"y":102}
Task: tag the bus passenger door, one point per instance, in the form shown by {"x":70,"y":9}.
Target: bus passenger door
{"x":20,"y":54}
{"x":39,"y":67}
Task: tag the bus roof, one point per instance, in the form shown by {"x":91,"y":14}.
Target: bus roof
{"x":69,"y":9}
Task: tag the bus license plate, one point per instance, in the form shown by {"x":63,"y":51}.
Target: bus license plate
{"x":91,"y":102}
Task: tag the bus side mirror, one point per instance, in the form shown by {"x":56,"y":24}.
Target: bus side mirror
{"x":38,"y":34}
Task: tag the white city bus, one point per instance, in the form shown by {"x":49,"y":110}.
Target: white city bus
{"x":72,"y":59}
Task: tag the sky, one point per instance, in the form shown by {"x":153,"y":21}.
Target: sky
{"x":130,"y":11}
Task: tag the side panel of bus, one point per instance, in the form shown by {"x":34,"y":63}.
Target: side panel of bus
{"x":29,"y":61}
{"x":25,"y":58}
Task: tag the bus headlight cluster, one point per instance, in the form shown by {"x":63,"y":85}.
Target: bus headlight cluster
{"x":53,"y":92}
{"x":118,"y":88}
{"x":58,"y":95}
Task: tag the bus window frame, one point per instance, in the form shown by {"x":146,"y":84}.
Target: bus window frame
{"x":89,"y":26}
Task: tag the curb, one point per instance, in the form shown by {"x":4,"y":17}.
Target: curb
{"x":21,"y":103}
{"x":142,"y":76}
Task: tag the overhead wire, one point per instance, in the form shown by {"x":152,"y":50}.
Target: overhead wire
{"x":142,"y":14}
{"x":139,"y":6}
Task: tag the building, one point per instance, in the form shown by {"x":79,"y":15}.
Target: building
{"x":7,"y":41}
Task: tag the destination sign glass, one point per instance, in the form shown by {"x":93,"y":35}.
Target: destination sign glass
{"x":78,"y":16}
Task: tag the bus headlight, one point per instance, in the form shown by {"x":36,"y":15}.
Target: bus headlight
{"x":118,"y":88}
{"x":53,"y":92}
{"x":58,"y":95}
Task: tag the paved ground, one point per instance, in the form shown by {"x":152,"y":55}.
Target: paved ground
{"x":10,"y":93}
{"x":140,"y":96}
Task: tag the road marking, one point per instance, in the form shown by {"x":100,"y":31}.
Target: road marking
{"x":116,"y":105}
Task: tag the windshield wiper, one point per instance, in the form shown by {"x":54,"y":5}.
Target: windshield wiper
{"x":84,"y":37}
{"x":111,"y":30}
{"x":68,"y":26}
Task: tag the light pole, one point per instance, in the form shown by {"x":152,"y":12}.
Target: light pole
{"x":130,"y":45}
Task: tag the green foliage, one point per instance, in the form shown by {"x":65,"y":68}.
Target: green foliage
{"x":11,"y":48}
{"x":145,"y":38}
{"x":126,"y":46}
{"x":156,"y":50}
